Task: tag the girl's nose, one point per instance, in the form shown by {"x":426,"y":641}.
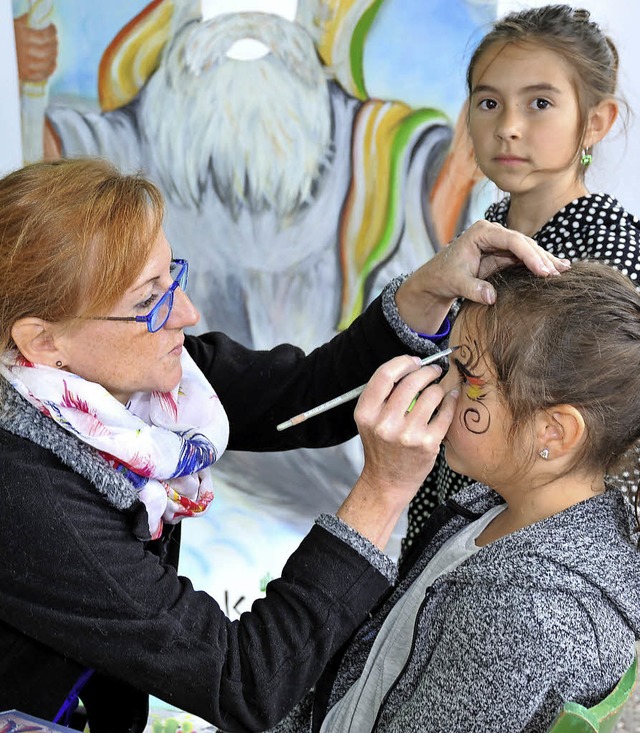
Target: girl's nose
{"x":509,"y":126}
{"x":184,"y":313}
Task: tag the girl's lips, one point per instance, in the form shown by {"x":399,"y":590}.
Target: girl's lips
{"x":509,"y":159}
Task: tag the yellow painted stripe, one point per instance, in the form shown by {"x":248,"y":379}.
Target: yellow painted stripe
{"x":342,"y":43}
{"x":367,"y":207}
{"x":377,"y":191}
{"x":133,"y":55}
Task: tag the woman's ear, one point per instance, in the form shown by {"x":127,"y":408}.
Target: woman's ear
{"x":560,"y":429}
{"x":600,"y":120}
{"x":35,"y":341}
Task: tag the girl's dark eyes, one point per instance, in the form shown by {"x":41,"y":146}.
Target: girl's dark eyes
{"x":491,"y":104}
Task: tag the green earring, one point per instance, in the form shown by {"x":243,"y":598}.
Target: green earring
{"x":586,"y":158}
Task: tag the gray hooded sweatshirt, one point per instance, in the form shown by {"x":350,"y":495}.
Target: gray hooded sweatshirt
{"x":547,"y":614}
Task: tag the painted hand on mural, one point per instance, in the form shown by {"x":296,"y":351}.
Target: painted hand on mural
{"x":36,"y":40}
{"x":36,"y":50}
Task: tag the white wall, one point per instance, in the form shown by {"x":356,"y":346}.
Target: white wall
{"x":616,"y":166}
{"x":10,"y":139}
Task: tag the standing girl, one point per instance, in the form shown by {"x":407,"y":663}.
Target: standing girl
{"x":541,"y":88}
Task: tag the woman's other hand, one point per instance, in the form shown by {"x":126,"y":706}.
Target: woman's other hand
{"x":425,"y":297}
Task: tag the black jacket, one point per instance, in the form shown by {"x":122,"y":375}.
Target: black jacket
{"x":78,"y":590}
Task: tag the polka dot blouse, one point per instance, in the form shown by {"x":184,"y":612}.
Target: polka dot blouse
{"x":591,"y":227}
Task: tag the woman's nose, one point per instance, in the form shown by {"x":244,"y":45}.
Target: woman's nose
{"x":184,"y":313}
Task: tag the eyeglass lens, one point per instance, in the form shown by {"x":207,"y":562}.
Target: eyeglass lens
{"x":160,"y":314}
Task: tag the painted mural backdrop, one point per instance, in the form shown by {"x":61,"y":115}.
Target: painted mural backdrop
{"x":298,"y":183}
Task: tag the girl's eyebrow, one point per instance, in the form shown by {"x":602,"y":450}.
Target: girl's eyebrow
{"x":540,"y":87}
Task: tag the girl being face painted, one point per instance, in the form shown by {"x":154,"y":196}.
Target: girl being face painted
{"x":476,"y":444}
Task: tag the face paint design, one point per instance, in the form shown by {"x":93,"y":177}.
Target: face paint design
{"x":476,"y":419}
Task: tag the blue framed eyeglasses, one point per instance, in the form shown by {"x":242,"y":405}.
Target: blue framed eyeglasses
{"x":159,"y":314}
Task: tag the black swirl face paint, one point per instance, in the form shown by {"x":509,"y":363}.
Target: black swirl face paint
{"x":476,"y":419}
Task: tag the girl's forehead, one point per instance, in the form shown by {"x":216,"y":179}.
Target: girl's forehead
{"x":526,"y":56}
{"x":460,"y":330}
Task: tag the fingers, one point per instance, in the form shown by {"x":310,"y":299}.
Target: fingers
{"x":404,"y":413}
{"x":487,"y":247}
{"x":442,"y":421}
{"x":392,"y":388}
{"x":494,"y":239}
{"x":432,"y":414}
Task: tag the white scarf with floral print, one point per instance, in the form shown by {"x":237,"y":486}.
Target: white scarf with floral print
{"x":162,"y":442}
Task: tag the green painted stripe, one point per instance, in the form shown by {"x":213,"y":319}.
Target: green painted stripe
{"x":406,"y":129}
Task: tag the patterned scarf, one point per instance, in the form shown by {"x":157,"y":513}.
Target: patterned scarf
{"x":162,"y":442}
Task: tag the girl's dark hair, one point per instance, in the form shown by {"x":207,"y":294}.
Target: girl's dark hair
{"x":568,"y":339}
{"x":571,"y":34}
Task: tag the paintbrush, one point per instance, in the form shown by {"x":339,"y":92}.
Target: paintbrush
{"x":350,"y":395}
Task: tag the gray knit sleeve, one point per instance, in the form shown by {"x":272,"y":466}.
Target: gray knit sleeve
{"x":418,"y":344}
{"x":381,"y":562}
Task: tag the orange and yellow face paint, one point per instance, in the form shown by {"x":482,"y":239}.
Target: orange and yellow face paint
{"x":476,"y":419}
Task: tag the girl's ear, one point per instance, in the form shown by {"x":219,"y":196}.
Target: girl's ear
{"x":560,"y":429}
{"x":35,"y":341}
{"x":600,"y":120}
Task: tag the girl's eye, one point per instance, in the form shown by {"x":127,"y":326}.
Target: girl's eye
{"x":541,"y":103}
{"x":461,"y":373}
{"x":487,"y":104}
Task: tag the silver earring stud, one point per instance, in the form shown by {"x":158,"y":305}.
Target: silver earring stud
{"x":58,"y":363}
{"x":544,"y":453}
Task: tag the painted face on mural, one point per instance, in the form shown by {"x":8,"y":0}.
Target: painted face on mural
{"x":248,"y":48}
{"x":476,"y":443}
{"x":265,"y":147}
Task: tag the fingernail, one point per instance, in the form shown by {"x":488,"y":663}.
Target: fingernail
{"x":437,"y":367}
{"x":488,"y":295}
{"x":455,"y":393}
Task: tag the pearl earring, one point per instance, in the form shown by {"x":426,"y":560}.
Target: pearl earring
{"x":544,"y":453}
